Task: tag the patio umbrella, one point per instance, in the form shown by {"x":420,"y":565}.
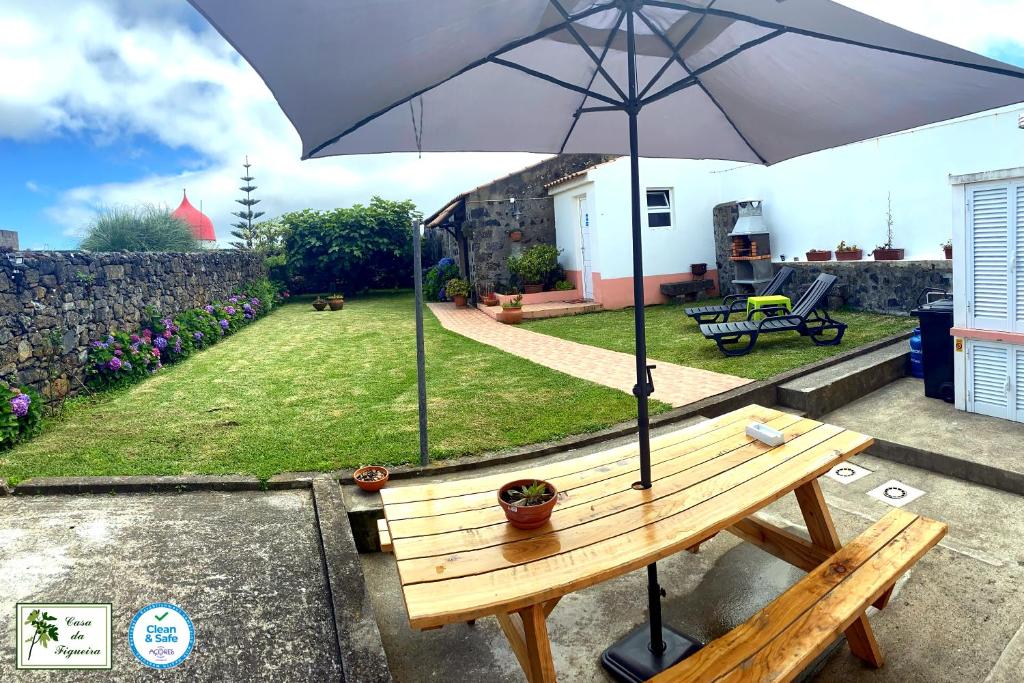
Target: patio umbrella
{"x":745,"y":80}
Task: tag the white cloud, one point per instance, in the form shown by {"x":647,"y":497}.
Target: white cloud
{"x":116,"y":68}
{"x":32,"y":186}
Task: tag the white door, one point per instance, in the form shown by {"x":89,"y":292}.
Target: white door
{"x":586,"y":247}
{"x":990,"y":256}
{"x":989,"y":380}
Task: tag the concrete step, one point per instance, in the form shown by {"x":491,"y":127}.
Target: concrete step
{"x":833,"y":387}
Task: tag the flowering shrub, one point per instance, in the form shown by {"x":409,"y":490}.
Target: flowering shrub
{"x":21,"y":410}
{"x":121,"y":359}
{"x":435,"y":278}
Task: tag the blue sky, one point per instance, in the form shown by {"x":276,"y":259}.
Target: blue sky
{"x":120,"y":101}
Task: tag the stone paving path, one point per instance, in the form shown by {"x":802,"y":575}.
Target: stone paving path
{"x":674,"y":384}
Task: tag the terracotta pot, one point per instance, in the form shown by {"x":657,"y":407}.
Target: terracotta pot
{"x":319,"y":305}
{"x":515,"y":235}
{"x":534,"y":289}
{"x":460,"y":301}
{"x":819,"y":255}
{"x":511,"y":316}
{"x":489,"y":300}
{"x":850,"y":255}
{"x":371,"y":485}
{"x":527,"y":516}
{"x":336,"y":304}
{"x":888,"y":254}
{"x":949,"y":252}
{"x":698,"y":269}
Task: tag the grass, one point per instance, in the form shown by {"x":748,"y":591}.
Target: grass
{"x":673,"y":337}
{"x":304,"y":391}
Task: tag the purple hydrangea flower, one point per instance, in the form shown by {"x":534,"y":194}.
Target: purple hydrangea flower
{"x":224,"y":324}
{"x":198,"y":336}
{"x":160,"y":343}
{"x":156,"y":352}
{"x":208,"y":309}
{"x":177,"y":344}
{"x":110,"y":339}
{"x":19,"y":405}
{"x":147,"y":333}
{"x":119,"y":352}
{"x":233,"y":299}
{"x":114,"y":364}
{"x":254,"y":301}
{"x":135,"y":347}
{"x":136,"y":339}
{"x":247,"y":308}
{"x":230,"y":310}
{"x":248,"y":316}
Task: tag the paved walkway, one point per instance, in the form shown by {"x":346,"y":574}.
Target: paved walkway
{"x":674,"y":384}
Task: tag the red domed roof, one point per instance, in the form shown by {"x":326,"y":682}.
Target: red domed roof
{"x":202,"y":226}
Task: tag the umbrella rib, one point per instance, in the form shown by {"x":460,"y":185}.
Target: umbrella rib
{"x":586,"y":48}
{"x":551,"y":79}
{"x":682,"y":5}
{"x":593,"y":77}
{"x":675,"y":50}
{"x":675,"y":55}
{"x":508,"y":47}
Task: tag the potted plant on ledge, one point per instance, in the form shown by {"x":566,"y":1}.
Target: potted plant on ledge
{"x":534,"y":266}
{"x":947,"y":247}
{"x":848,"y":252}
{"x":458,"y":289}
{"x":887,"y":252}
{"x":512,"y":311}
{"x":819,"y":255}
{"x":527,"y":502}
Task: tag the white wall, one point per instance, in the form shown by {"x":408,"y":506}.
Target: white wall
{"x":816,"y":201}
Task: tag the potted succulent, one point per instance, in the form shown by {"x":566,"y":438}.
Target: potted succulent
{"x":527,"y":502}
{"x":887,"y":252}
{"x":819,"y":255}
{"x":336,"y":302}
{"x":698,"y":269}
{"x":535,"y":265}
{"x":458,"y":289}
{"x":319,"y":304}
{"x":512,"y":311}
{"x":848,"y":252}
{"x":947,"y":247}
{"x":371,"y":477}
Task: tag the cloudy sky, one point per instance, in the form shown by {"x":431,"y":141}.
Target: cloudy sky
{"x":107,"y":102}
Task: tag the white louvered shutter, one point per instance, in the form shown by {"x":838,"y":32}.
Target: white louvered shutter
{"x":1018,"y":384}
{"x":1017,"y":214}
{"x":989,"y":379}
{"x":989,"y":251}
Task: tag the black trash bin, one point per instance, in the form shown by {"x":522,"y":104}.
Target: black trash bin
{"x":937,"y":348}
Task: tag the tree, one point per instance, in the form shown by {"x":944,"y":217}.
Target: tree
{"x":138,"y":228}
{"x":244,"y":229}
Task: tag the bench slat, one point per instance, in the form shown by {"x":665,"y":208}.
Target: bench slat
{"x":385,"y":537}
{"x":393,"y":496}
{"x":523,"y":585}
{"x":614,"y":494}
{"x":778,"y":642}
{"x":626,"y":511}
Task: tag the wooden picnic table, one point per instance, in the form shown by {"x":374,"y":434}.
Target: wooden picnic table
{"x":459,"y":560}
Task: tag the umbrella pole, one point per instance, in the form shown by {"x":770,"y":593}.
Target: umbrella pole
{"x":421,"y":380}
{"x":651,"y":648}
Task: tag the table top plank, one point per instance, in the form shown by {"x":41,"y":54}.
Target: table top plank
{"x":393,"y":496}
{"x":513,"y":587}
{"x":591,"y":503}
{"x":586,"y":487}
{"x":631,"y":511}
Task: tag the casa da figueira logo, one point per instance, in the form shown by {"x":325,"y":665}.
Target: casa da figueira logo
{"x":63,"y":635}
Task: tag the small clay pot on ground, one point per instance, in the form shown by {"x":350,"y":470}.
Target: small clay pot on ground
{"x":371,"y":477}
{"x":888,"y":254}
{"x":534,"y":289}
{"x":527,"y":516}
{"x":460,"y":301}
{"x":850,"y":255}
{"x":819,"y":255}
{"x":336,"y":304}
{"x":319,"y":305}
{"x":511,"y":316}
{"x":489,"y":300}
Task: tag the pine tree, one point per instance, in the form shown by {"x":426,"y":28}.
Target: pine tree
{"x":245,"y":230}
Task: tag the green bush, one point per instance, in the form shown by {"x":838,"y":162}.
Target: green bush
{"x":138,"y":228}
{"x":435,"y":278}
{"x":564,"y":286}
{"x":457,"y":287}
{"x":535,"y":264}
{"x":21,"y":411}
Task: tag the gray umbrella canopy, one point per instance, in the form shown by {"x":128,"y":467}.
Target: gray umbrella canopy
{"x":744,"y":80}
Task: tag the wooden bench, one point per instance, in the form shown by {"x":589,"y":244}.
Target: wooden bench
{"x":778,"y":642}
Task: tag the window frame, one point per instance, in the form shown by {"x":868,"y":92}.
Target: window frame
{"x":669,"y":209}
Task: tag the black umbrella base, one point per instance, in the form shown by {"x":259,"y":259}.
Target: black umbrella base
{"x":631,"y":661}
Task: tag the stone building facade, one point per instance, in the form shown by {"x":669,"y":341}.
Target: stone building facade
{"x":52,"y":304}
{"x":484,"y":218}
{"x":8,"y":240}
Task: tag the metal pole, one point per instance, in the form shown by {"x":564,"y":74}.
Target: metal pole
{"x":421,"y":377}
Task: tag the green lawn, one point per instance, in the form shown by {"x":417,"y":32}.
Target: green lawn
{"x":673,"y":337}
{"x":302,"y":390}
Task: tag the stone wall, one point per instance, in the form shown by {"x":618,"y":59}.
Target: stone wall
{"x":52,"y":304}
{"x":490,"y":217}
{"x":723,"y":218}
{"x":880,"y":286}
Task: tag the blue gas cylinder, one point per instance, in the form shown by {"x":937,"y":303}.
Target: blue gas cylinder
{"x":916,"y":354}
